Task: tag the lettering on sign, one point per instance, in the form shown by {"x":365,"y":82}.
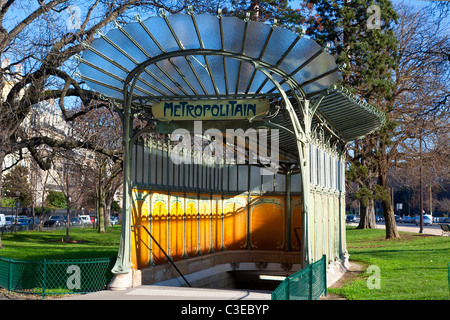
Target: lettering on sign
{"x":210,"y":109}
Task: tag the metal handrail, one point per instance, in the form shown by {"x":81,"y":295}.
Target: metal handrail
{"x":169,"y":258}
{"x":297,"y":237}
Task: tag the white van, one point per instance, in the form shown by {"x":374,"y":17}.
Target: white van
{"x":85,"y":219}
{"x":428,"y":219}
{"x":2,"y":220}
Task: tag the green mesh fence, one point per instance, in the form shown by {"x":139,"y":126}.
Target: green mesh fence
{"x":52,"y":277}
{"x":307,"y":284}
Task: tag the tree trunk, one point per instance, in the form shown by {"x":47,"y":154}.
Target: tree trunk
{"x":101,"y":211}
{"x":254,"y":9}
{"x":101,"y":218}
{"x":2,"y":158}
{"x":33,"y":213}
{"x":367,"y":216}
{"x":101,"y":198}
{"x":108,"y":201}
{"x":68,"y":222}
{"x":389,"y":218}
{"x":386,"y":203}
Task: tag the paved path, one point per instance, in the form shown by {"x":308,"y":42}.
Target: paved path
{"x":148,"y":292}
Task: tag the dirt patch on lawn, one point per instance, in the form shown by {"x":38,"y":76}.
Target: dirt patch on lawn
{"x":355,"y":270}
{"x":63,"y":240}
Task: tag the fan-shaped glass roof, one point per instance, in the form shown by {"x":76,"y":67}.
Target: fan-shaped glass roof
{"x":187,"y":56}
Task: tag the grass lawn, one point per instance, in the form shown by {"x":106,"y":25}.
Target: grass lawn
{"x":37,"y":245}
{"x":411,"y":268}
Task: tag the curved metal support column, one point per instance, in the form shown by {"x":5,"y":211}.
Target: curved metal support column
{"x":122,"y":268}
{"x":301,"y":137}
{"x":288,"y":224}
{"x":303,"y":146}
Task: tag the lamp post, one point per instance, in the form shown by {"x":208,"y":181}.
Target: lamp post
{"x":17,"y":205}
{"x":68,"y":218}
{"x":421,"y":187}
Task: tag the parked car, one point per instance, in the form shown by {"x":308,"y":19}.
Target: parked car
{"x":407,"y":219}
{"x":55,"y":221}
{"x":350,"y":218}
{"x":427,"y":220}
{"x":114,"y":220}
{"x":75,"y":221}
{"x":24,"y":222}
{"x":9,"y":221}
{"x":2,"y":220}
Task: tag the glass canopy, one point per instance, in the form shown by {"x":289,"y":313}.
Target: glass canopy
{"x":187,"y":56}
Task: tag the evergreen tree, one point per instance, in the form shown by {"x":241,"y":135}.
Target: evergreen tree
{"x":16,"y":186}
{"x":359,"y":33}
{"x":262,"y":10}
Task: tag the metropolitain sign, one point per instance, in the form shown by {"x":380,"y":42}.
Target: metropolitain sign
{"x":210,"y":109}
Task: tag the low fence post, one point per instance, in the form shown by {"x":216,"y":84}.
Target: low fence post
{"x":288,"y":289}
{"x":9,"y":274}
{"x":44,"y":275}
{"x":448,"y":268}
{"x":324,"y":258}
{"x":310,"y":281}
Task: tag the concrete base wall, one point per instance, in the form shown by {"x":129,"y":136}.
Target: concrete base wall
{"x":211,"y":270}
{"x":336,"y":270}
{"x":217,"y":270}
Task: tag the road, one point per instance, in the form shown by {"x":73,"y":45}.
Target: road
{"x":434,"y":229}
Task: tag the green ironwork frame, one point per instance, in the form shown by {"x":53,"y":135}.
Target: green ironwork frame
{"x":301,"y":133}
{"x":305,"y":122}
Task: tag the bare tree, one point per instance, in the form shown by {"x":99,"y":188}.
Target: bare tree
{"x":421,"y":145}
{"x":69,"y":174}
{"x":37,"y":42}
{"x":102,"y":127}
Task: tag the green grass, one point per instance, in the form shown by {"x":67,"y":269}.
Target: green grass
{"x":37,"y":245}
{"x":411,"y":268}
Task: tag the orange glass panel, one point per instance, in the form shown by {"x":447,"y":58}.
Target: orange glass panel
{"x":235,"y":223}
{"x":205,"y":225}
{"x":176,"y":226}
{"x":267,"y":223}
{"x":159,"y":226}
{"x":140,"y":255}
{"x":217,"y":222}
{"x":191,"y":225}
